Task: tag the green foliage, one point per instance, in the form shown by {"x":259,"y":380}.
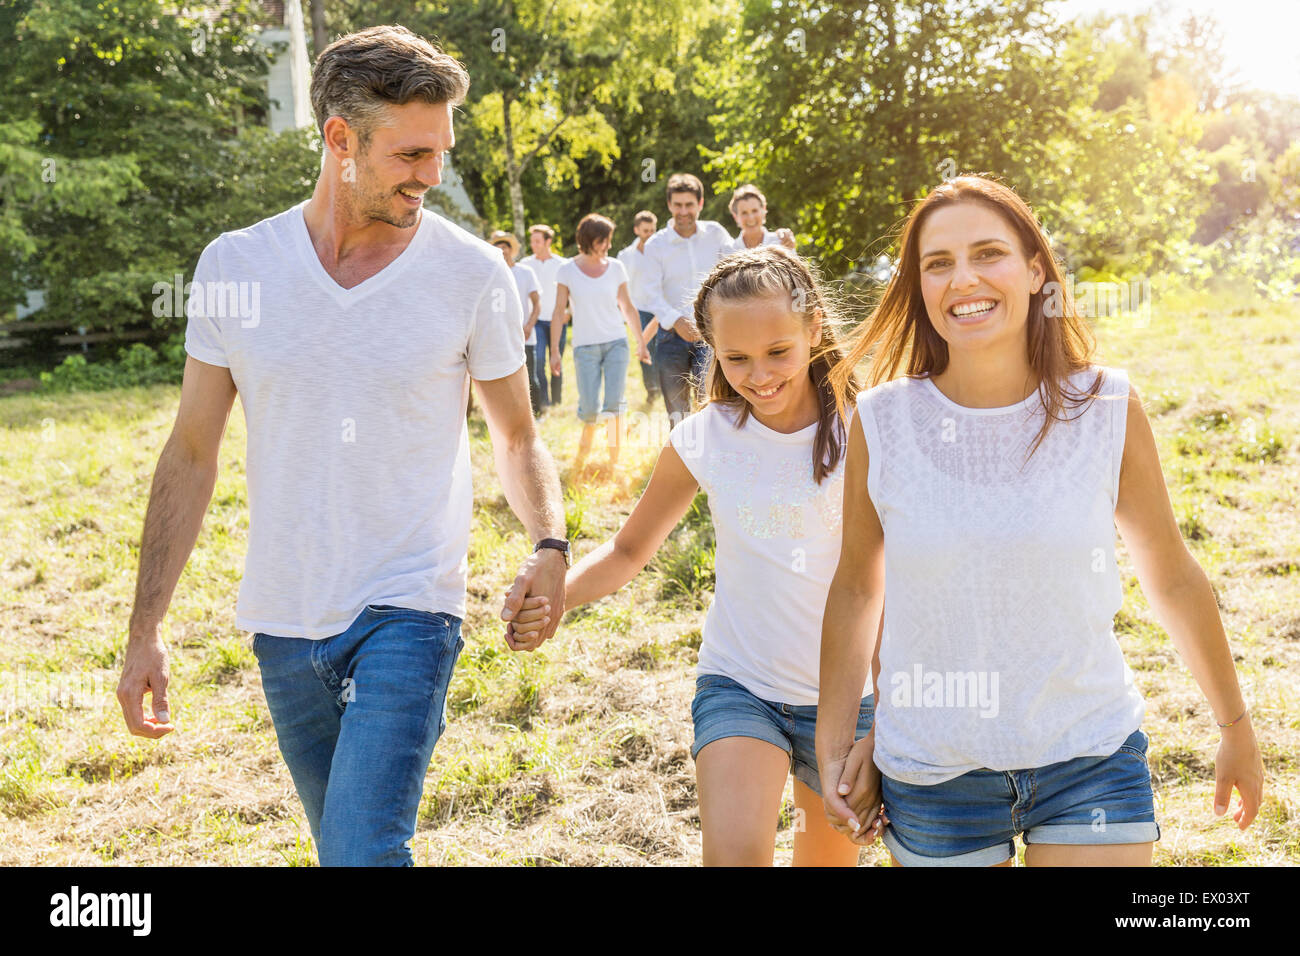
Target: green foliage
{"x":132,"y":136}
{"x":137,"y":365}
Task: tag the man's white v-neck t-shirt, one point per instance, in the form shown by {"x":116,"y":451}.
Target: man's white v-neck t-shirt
{"x":358,"y":470}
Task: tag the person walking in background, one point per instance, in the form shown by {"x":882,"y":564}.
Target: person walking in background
{"x":545,"y":264}
{"x":677,"y":259}
{"x":594,"y":287}
{"x":768,"y":449}
{"x":375,"y":314}
{"x":633,"y":258}
{"x":529,"y":298}
{"x":749,"y":208}
{"x":982,"y":494}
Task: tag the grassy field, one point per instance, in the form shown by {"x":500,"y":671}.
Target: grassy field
{"x":578,"y":754}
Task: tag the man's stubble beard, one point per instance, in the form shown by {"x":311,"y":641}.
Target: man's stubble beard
{"x":376,"y":205}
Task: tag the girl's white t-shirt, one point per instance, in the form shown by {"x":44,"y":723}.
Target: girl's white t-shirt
{"x":778,"y":544}
{"x":737,"y":244}
{"x":1001,"y":583}
{"x":596,"y":315}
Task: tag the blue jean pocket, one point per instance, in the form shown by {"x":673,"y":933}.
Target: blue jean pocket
{"x":1136,"y":745}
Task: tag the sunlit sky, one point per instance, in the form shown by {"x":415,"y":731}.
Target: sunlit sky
{"x":1259,"y":36}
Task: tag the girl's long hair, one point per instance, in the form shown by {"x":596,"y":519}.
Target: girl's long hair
{"x":898,"y":333}
{"x":774,"y":271}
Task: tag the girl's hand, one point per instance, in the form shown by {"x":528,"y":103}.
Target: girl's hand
{"x":860,"y":786}
{"x":1238,"y":764}
{"x":532,"y":617}
{"x":852,"y":801}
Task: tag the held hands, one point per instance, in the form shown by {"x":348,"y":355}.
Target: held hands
{"x":1238,"y":764}
{"x":555,"y":363}
{"x":539,"y":585}
{"x":643,"y":353}
{"x":853,"y":804}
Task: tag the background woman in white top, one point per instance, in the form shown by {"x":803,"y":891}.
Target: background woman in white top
{"x":749,"y":208}
{"x":595,"y":287}
{"x":768,"y":448}
{"x":985,"y":488}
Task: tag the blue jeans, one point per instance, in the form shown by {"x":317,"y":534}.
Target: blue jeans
{"x":650,"y":373}
{"x":607,"y":360}
{"x":679,"y":363}
{"x":551,"y":395}
{"x":725,"y":708}
{"x":356,"y":716}
{"x":531,"y":367}
{"x":972,"y":820}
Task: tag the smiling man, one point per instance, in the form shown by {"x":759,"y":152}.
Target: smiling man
{"x":373,"y":315}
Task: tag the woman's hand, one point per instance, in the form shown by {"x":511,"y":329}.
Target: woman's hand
{"x":555,"y":363}
{"x":851,"y":793}
{"x":643,"y":354}
{"x":1238,"y":764}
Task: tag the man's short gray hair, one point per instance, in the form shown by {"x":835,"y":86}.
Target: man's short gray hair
{"x":360,"y":75}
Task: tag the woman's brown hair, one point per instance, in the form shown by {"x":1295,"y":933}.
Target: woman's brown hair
{"x":899,"y":332}
{"x":592,"y":229}
{"x":774,"y":271}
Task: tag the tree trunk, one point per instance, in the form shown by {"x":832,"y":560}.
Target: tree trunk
{"x":319,"y":38}
{"x":514,"y":175}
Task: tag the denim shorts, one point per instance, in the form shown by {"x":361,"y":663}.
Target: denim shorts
{"x":972,"y":820}
{"x":724,"y":708}
{"x":607,"y":360}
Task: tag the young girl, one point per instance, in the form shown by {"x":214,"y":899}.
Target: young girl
{"x":768,"y":449}
{"x":596,"y":288}
{"x":985,"y":487}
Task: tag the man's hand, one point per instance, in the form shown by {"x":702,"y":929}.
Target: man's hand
{"x":145,"y":671}
{"x":541,"y":576}
{"x":686,"y":329}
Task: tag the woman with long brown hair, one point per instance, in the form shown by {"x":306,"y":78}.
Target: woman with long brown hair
{"x":985,"y":486}
{"x":768,"y":448}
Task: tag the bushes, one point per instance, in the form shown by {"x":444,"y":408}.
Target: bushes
{"x":137,"y":365}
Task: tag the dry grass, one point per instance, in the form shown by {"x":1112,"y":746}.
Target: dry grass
{"x":578,"y":754}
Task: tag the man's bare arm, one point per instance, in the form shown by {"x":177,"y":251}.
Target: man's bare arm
{"x":532,"y":487}
{"x":178,"y":499}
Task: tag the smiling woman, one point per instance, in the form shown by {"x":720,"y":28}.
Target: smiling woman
{"x":992,"y":517}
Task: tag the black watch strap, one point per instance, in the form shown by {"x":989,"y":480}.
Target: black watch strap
{"x":556,"y":543}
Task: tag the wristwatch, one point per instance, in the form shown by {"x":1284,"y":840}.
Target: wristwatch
{"x":558,"y":545}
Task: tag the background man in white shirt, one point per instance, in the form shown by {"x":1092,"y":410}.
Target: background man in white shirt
{"x":633,"y":259}
{"x":678,"y":258}
{"x":545,"y":264}
{"x":530,"y":299}
{"x":374,"y":315}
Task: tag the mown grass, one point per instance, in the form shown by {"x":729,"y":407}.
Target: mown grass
{"x":578,"y":754}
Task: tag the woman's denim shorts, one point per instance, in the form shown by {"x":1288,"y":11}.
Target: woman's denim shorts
{"x":605,"y":361}
{"x":972,"y":820}
{"x":724,"y":708}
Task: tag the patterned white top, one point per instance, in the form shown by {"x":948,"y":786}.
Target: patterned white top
{"x":1000,"y":581}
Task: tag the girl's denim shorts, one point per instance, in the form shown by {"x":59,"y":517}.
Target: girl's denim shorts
{"x":972,"y":820}
{"x":724,"y":708}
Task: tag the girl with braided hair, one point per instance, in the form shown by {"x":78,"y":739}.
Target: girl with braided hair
{"x":768,"y":450}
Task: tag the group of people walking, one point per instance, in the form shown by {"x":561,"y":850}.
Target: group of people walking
{"x":648,"y":287}
{"x":915,"y":570}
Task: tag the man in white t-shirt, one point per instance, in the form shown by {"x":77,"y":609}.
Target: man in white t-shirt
{"x":545,"y":264}
{"x":633,"y":259}
{"x":528,"y":288}
{"x":350,"y":325}
{"x":678,"y":258}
